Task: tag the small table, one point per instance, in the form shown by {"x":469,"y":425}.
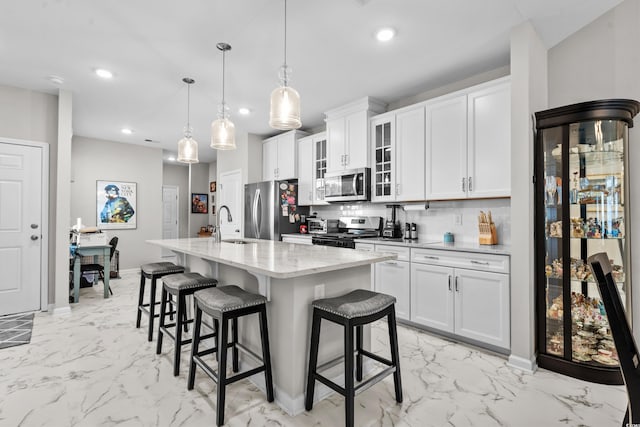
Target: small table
{"x":95,"y":251}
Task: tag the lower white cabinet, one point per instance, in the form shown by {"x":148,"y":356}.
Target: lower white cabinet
{"x":394,"y":278}
{"x":470,"y":302}
{"x":303,"y":239}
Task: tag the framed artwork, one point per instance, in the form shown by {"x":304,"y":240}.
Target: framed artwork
{"x":212,"y":187}
{"x":116,"y":205}
{"x":213,"y":209}
{"x":199,"y":203}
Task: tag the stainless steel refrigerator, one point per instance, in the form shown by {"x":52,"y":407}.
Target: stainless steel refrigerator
{"x":271,"y":209}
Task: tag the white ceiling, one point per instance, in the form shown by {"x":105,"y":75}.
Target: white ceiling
{"x":150,"y":45}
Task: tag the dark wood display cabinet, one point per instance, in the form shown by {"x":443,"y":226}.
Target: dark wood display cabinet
{"x":581,"y":208}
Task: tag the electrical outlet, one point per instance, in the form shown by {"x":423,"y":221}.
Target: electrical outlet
{"x":318,"y":291}
{"x":457,"y":219}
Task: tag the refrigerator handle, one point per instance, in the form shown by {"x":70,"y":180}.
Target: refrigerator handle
{"x":256,"y":202}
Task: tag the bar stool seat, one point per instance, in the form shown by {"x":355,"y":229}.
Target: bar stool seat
{"x":180,"y":285}
{"x":354,"y":310}
{"x":152,"y":271}
{"x":226,"y":303}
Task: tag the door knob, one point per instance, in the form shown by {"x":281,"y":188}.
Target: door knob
{"x":34,"y":226}
{"x":34,"y":237}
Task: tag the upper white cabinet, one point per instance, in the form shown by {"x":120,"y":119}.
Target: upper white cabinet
{"x":280,"y":156}
{"x":468,"y":140}
{"x":348,"y":134}
{"x":312,"y":165}
{"x":398,"y":144}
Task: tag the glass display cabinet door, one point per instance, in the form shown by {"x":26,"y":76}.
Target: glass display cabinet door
{"x":320,"y":167}
{"x":596,"y":168}
{"x":553,"y":202}
{"x":382,"y":168}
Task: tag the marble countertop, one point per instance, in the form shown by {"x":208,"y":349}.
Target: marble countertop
{"x":456,"y":246}
{"x":274,"y":259}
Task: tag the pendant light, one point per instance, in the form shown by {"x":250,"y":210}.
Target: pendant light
{"x":285,"y":100}
{"x":187,"y":146}
{"x":223,"y":131}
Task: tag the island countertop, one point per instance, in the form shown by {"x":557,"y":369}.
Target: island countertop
{"x":274,"y":259}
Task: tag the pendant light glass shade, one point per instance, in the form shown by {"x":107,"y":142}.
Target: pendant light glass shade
{"x":187,"y":146}
{"x":285,"y":100}
{"x":223,"y":131}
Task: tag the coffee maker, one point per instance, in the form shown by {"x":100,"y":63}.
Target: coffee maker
{"x":391,"y":227}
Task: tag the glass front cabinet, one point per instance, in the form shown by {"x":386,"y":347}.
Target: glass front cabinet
{"x":582,"y":190}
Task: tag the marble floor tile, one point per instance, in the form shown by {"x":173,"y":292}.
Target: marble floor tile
{"x":94,"y":368}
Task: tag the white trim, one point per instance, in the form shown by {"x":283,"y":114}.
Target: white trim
{"x":44,"y":212}
{"x":527,"y":365}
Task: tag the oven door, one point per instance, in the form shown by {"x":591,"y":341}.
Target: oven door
{"x":348,"y":185}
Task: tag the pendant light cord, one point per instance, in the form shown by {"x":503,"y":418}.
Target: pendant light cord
{"x":223,"y":55}
{"x":285,"y":33}
{"x":188,"y":105}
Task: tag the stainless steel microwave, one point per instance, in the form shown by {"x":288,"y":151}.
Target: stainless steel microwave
{"x":348,"y":185}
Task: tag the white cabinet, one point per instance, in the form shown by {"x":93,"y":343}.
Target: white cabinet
{"x":393,"y":278}
{"x":279,"y":156}
{"x":305,"y":174}
{"x":348,"y":134}
{"x":462,"y":293}
{"x":398,"y":168}
{"x":312,"y":165}
{"x":468,"y":139}
{"x":302,"y":239}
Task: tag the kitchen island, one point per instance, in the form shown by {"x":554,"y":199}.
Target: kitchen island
{"x":290,"y":276}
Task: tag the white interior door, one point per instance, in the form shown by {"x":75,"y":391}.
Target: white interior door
{"x":20,"y":228}
{"x":230,"y":193}
{"x":170,"y":218}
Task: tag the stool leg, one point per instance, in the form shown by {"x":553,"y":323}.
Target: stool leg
{"x":348,"y":375}
{"x":222,"y":369}
{"x":178,"y":341}
{"x":185,"y":325}
{"x":358,"y":354}
{"x":395,"y":355}
{"x":152,"y":308}
{"x":163,"y":311}
{"x":313,"y":359}
{"x":140,"y":299}
{"x":234,"y":349}
{"x":195,"y":341}
{"x":266,"y":353}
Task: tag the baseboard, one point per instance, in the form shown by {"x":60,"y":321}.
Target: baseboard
{"x":527,"y":365}
{"x":59,"y":311}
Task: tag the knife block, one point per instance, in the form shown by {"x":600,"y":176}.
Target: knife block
{"x":488,"y":235}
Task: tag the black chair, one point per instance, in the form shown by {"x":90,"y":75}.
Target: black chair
{"x":99,"y":268}
{"x":622,"y":337}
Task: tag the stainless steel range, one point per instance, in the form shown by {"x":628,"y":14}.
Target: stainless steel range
{"x":350,"y":228}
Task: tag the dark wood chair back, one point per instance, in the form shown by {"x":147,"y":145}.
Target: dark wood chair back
{"x":621,"y":332}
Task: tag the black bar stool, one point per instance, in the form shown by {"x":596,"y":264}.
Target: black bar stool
{"x":226,"y":303}
{"x":353,"y":310}
{"x":152,"y":271}
{"x":179,"y":286}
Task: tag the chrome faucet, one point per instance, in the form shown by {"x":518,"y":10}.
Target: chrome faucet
{"x":218,"y":235}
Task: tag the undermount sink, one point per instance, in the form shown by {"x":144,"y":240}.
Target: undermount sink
{"x":236,"y":241}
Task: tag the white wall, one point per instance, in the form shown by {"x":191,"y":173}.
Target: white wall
{"x":33,"y":116}
{"x":94,"y":159}
{"x":598,"y":62}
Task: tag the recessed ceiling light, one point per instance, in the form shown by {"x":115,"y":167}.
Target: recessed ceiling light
{"x":105,"y":74}
{"x":171,"y":159}
{"x":127,"y":131}
{"x":385,"y":34}
{"x":244,"y":111}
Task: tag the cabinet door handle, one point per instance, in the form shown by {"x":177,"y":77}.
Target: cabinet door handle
{"x":397,"y":189}
{"x":391,"y":262}
{"x":464,"y":184}
{"x":470,"y":184}
{"x":456,"y":283}
{"x":430,"y":257}
{"x":449,"y":282}
{"x":473,"y":261}
{"x":346,"y":159}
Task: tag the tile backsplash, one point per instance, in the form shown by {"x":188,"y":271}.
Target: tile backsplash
{"x":436,"y":219}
